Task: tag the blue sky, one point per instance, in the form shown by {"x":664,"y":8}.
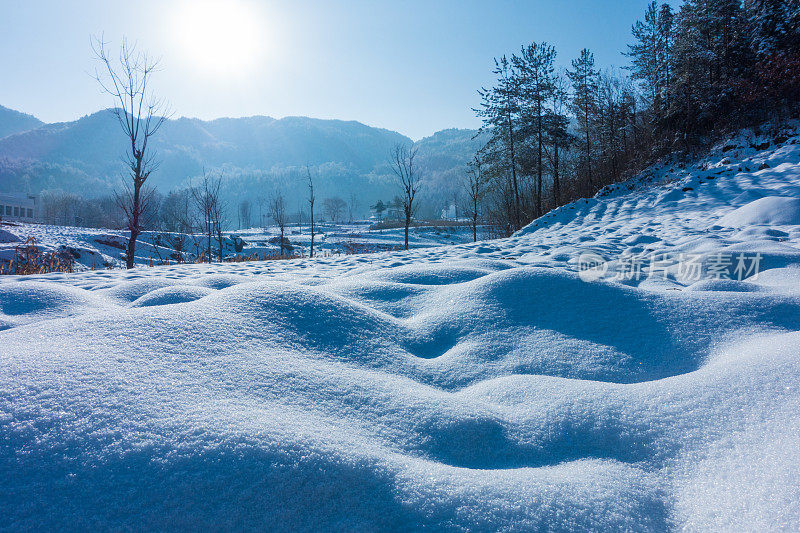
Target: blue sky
{"x":410,"y":66}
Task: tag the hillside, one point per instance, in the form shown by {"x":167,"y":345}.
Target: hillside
{"x":490,"y":386}
{"x":256,"y":155}
{"x":12,"y":122}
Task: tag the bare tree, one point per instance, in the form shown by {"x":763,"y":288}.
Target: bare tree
{"x":245,"y":211}
{"x":141,"y":115}
{"x":140,"y":209}
{"x":218,"y":208}
{"x":352,"y":205}
{"x":476,"y":188}
{"x":334,"y":207}
{"x":261,"y":201}
{"x":206,"y":197}
{"x":176,"y":212}
{"x":311,"y":199}
{"x":176,"y":218}
{"x":277,"y":210}
{"x":300,"y":218}
{"x":402,"y":161}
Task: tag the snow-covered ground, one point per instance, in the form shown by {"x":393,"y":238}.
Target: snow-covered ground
{"x":95,"y":249}
{"x":478,"y":386}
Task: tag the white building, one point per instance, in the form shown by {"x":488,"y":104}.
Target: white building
{"x":19,"y":207}
{"x":449,"y":212}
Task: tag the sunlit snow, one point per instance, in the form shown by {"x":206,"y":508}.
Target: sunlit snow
{"x":478,"y":386}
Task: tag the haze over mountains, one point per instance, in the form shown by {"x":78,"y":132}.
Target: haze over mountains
{"x":12,"y":122}
{"x":255,"y":155}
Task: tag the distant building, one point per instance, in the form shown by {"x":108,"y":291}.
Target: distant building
{"x":19,"y":207}
{"x":450,"y":212}
{"x":391,"y":211}
{"x":394,"y":210}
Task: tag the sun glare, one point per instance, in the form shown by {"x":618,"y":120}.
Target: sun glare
{"x":221,"y":37}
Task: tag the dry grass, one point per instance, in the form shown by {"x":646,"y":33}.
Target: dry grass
{"x":29,"y":259}
{"x":355,"y":247}
{"x":394,"y":224}
{"x":265,"y":257}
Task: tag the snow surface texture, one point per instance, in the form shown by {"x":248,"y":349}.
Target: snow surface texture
{"x":480,"y":387}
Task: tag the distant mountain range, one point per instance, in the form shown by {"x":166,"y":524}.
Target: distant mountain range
{"x":255,"y":155}
{"x":12,"y":122}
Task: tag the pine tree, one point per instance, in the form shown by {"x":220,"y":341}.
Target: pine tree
{"x":584,"y":104}
{"x":665,"y":46}
{"x":769,"y":27}
{"x":534,"y":70}
{"x":710,"y":59}
{"x":651,"y":56}
{"x":557,"y":129}
{"x":645,"y":54}
{"x":500,"y":112}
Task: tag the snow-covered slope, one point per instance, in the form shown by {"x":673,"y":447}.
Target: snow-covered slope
{"x":476,"y":387}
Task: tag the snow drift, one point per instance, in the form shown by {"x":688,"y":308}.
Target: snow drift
{"x":773,"y":210}
{"x":478,"y":387}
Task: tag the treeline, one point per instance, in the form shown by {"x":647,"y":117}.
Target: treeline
{"x":69,"y":209}
{"x":180,"y":211}
{"x":554,"y":136}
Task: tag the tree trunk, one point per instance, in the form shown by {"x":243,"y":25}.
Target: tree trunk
{"x":134,"y":226}
{"x":208,"y":226}
{"x":513,"y":172}
{"x":556,"y":180}
{"x":588,"y":159}
{"x":131,"y":249}
{"x":539,"y":162}
{"x":408,"y":223}
{"x":312,"y":233}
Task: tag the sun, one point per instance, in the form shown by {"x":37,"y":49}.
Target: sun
{"x":220,"y":37}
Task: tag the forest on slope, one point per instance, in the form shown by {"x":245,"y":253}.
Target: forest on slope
{"x":696,"y":74}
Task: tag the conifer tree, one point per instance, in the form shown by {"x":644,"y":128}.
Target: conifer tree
{"x":534,"y":69}
{"x":665,"y":46}
{"x":769,"y":26}
{"x":646,"y":54}
{"x":584,"y":104}
{"x":500,"y":114}
{"x":557,"y":128}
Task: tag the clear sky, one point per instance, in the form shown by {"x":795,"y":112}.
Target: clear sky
{"x":410,"y":66}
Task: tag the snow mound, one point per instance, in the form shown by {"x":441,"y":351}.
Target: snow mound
{"x":172,"y":295}
{"x":129,"y":291}
{"x":773,"y":210}
{"x":220,"y":281}
{"x":31,"y":301}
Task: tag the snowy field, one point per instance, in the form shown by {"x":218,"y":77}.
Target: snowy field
{"x":478,"y":386}
{"x":94,"y":249}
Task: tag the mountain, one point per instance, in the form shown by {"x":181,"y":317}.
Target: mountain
{"x":444,"y":155}
{"x":94,"y":145}
{"x":255,"y":155}
{"x":12,"y":122}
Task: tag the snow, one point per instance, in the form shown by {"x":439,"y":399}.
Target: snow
{"x":94,"y":249}
{"x":469,"y":387}
{"x":772,"y":210}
